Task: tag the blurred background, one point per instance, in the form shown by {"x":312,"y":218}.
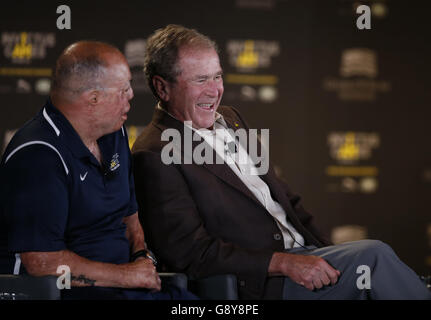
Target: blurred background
{"x":348,"y":109}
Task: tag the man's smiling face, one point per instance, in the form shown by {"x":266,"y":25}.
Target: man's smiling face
{"x":198,"y":89}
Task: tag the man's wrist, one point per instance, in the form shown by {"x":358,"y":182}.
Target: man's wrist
{"x":275,"y":265}
{"x":144,"y":254}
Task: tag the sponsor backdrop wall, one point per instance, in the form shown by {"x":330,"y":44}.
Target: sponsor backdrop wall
{"x":348,"y":109}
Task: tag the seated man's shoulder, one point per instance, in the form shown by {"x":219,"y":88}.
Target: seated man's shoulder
{"x":33,"y":146}
{"x":31,"y":133}
{"x":231,"y":115}
{"x":148,"y":140}
{"x":228,"y":111}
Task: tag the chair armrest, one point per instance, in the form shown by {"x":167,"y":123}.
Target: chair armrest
{"x":177,"y":279}
{"x":25,"y":287}
{"x":219,"y":287}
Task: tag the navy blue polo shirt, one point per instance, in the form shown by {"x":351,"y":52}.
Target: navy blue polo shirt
{"x":55,"y":195}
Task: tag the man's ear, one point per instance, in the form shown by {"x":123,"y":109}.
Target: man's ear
{"x":92,"y":97}
{"x":162,"y":88}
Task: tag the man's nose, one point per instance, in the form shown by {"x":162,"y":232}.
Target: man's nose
{"x":212,"y":88}
{"x":131,"y":94}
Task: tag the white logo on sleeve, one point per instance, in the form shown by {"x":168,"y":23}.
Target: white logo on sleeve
{"x":83,"y":176}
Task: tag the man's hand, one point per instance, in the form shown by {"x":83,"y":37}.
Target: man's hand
{"x":312,"y":272}
{"x":142,"y":274}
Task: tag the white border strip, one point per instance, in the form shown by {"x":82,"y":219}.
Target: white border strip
{"x":45,"y":114}
{"x":37,"y":142}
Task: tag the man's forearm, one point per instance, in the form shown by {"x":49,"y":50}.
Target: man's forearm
{"x":85,"y":272}
{"x":275,"y":265}
{"x":310,"y":271}
{"x":134,"y":233}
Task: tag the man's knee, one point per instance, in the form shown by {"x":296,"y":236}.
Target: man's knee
{"x":373,"y":248}
{"x":378,"y":245}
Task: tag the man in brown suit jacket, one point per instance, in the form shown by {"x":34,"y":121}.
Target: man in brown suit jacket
{"x":214,"y":217}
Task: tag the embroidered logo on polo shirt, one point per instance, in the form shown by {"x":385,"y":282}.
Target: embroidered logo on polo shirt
{"x":115,"y":162}
{"x":82,"y":177}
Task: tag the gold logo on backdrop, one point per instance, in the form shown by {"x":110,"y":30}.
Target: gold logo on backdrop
{"x":23,"y":49}
{"x":352,"y":146}
{"x":248,"y":58}
{"x":358,"y":76}
{"x":358,"y":62}
{"x":25,"y":46}
{"x":251,"y":60}
{"x":349,"y":150}
{"x":251,"y":55}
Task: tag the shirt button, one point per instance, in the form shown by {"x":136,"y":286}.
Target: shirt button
{"x":277,"y":236}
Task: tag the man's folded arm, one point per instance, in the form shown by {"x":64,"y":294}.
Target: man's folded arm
{"x":84,"y":272}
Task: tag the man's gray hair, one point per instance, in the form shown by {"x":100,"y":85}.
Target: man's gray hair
{"x":162,"y":51}
{"x":76,"y":72}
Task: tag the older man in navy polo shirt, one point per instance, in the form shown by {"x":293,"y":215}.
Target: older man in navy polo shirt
{"x":67,"y":192}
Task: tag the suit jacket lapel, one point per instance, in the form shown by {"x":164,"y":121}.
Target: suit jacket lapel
{"x":163,"y":121}
{"x":225,"y":173}
{"x":277,"y":192}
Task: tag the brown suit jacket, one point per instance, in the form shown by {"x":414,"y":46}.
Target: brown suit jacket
{"x":202,"y":220}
